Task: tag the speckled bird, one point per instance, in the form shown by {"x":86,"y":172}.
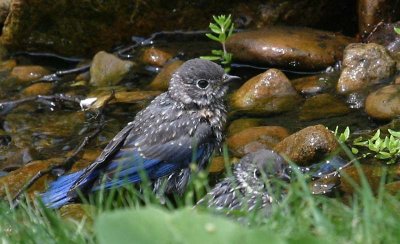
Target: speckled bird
{"x":183,"y":125}
{"x":249,"y":185}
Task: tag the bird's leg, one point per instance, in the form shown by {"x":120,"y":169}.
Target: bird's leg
{"x":60,"y":169}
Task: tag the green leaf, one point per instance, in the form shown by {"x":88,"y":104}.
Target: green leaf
{"x":153,"y":225}
{"x":214,"y":28}
{"x":354,"y":150}
{"x":376,"y":136}
{"x":211,"y":58}
{"x":397,"y":30}
{"x":212,"y":37}
{"x":393,"y":132}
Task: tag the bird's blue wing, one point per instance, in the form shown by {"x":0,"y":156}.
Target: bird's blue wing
{"x":155,"y":161}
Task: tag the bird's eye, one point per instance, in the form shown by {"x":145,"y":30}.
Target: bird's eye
{"x":202,"y":84}
{"x":257,"y":173}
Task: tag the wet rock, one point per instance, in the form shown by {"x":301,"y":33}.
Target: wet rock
{"x":15,"y":180}
{"x":44,"y":132}
{"x":119,"y":97}
{"x":217,"y":164}
{"x":38,"y":89}
{"x":83,"y":27}
{"x":155,"y":56}
{"x":372,"y":173}
{"x":310,"y":85}
{"x":85,"y":76}
{"x":372,"y":12}
{"x":255,"y":138}
{"x":296,"y":48}
{"x":27,"y":73}
{"x":384,"y":103}
{"x":322,"y":106}
{"x":239,"y":125}
{"x":7,"y":65}
{"x":161,"y":81}
{"x":363,"y":65}
{"x":269,"y":92}
{"x":385,"y":35}
{"x":108,"y":70}
{"x":18,"y":158}
{"x":308,"y":145}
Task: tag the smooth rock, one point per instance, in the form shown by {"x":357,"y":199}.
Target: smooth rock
{"x":7,"y":65}
{"x":108,"y":70}
{"x":290,"y":47}
{"x":384,"y":103}
{"x":161,"y":81}
{"x":15,"y":180}
{"x":269,"y":92}
{"x":308,"y":145}
{"x":119,"y":97}
{"x":82,"y":27}
{"x":322,"y":106}
{"x":372,"y":173}
{"x":27,"y":73}
{"x":155,"y":56}
{"x":364,"y":65}
{"x":38,"y":89}
{"x":18,"y":158}
{"x":310,"y":85}
{"x":239,"y":125}
{"x":255,"y":138}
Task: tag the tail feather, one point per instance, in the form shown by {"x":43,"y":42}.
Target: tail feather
{"x":57,"y":193}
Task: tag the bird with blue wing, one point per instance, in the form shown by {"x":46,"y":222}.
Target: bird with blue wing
{"x":183,"y":125}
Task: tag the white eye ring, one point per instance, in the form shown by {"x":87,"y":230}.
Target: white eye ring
{"x":202,"y":84}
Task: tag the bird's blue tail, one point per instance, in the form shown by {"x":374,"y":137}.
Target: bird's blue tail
{"x":57,"y":193}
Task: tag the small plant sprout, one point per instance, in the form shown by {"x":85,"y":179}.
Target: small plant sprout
{"x":344,"y":137}
{"x":222,"y":29}
{"x":387,"y":148}
{"x":397,"y":30}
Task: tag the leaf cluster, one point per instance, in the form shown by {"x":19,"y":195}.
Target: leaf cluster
{"x":221,"y":30}
{"x":384,"y":148}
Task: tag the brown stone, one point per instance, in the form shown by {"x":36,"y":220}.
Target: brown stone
{"x":119,"y":97}
{"x":269,"y":92}
{"x":255,"y":138}
{"x":108,"y":70}
{"x":28,"y":73}
{"x":238,"y":125}
{"x":38,"y":89}
{"x":155,"y":56}
{"x":314,"y":84}
{"x":322,"y":106}
{"x":298,"y":48}
{"x":364,"y":65}
{"x":8,"y":65}
{"x":384,"y":103}
{"x":82,"y":27}
{"x":15,"y":180}
{"x":161,"y":81}
{"x":308,"y":145}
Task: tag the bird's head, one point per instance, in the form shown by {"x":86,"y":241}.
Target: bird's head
{"x":258,"y":168}
{"x":199,"y":81}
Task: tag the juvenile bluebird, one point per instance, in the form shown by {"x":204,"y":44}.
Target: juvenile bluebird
{"x":249,"y":185}
{"x":183,"y":125}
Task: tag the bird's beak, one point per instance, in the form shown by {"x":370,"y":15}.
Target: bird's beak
{"x":228,"y":78}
